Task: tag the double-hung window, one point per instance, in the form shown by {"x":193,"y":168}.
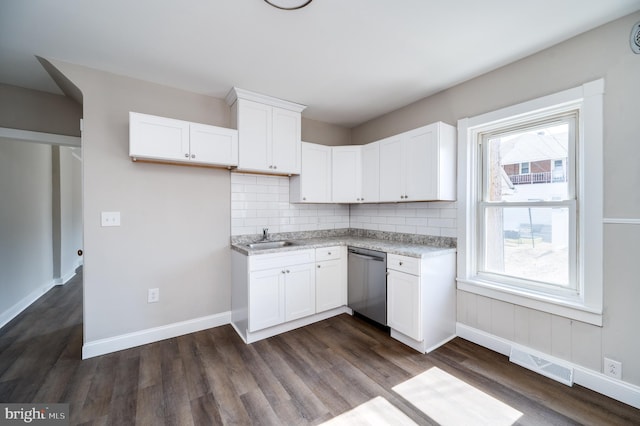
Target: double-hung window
{"x":530,"y":204}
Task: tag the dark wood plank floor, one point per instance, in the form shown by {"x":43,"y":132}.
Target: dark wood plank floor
{"x":306,"y":376}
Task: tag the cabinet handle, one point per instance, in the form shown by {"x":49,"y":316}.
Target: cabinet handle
{"x":186,"y":155}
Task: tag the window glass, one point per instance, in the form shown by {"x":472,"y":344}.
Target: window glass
{"x":527,"y":208}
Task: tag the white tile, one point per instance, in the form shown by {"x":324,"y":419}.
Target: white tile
{"x":243,"y":178}
{"x":449,"y":232}
{"x":426,"y":230}
{"x":406,"y":229}
{"x":442,"y":223}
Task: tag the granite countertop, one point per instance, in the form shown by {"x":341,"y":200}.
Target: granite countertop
{"x":389,"y":246}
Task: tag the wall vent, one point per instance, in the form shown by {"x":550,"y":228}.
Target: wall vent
{"x":542,"y":364}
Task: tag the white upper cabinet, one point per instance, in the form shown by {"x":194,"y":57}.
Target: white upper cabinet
{"x":269,"y":132}
{"x":165,"y":139}
{"x":419,"y":165}
{"x":313,"y":185}
{"x":370,"y":192}
{"x":213,"y":145}
{"x":346,"y":174}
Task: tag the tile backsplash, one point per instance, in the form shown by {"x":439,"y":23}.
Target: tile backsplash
{"x":260,"y":201}
{"x":425,"y":218}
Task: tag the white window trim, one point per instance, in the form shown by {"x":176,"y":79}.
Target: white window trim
{"x":589,"y":305}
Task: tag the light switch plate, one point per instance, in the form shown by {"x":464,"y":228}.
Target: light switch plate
{"x":110,"y":218}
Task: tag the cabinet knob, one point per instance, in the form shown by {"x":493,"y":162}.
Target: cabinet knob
{"x":193,"y":156}
{"x":304,"y":198}
{"x":288,"y":271}
{"x":318,"y":266}
{"x":400,"y":263}
{"x":186,"y":155}
{"x":283,"y":271}
{"x":271,"y":167}
{"x":329,"y":253}
{"x":275,"y":167}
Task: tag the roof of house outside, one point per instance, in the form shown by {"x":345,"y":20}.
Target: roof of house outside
{"x":532,"y":146}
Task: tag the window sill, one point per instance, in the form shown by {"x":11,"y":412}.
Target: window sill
{"x":568,"y":309}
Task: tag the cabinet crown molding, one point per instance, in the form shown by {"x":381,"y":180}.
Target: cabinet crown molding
{"x":236,"y":93}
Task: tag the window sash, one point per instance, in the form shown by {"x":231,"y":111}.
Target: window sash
{"x":575,"y":286}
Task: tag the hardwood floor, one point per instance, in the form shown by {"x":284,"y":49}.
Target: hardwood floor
{"x":307,"y":376}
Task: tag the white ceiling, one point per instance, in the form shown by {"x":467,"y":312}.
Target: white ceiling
{"x":348,"y":60}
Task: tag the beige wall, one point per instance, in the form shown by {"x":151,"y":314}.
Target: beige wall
{"x":27,"y":109}
{"x":175,"y":220}
{"x":324,"y":133}
{"x":26,"y":258}
{"x":603,"y":52}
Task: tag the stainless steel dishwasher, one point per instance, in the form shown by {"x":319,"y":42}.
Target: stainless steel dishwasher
{"x":367,"y":283}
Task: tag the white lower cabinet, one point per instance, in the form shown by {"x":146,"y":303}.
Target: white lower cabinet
{"x":331,"y":278}
{"x":266,"y":299}
{"x":299,"y":291}
{"x":403,"y":304}
{"x":421,"y":300}
{"x":282,"y":287}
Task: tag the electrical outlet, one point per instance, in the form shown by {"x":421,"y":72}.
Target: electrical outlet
{"x":110,"y":218}
{"x":613,"y":368}
{"x":153,"y":295}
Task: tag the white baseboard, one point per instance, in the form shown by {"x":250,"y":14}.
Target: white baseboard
{"x":590,"y":379}
{"x":150,"y":335}
{"x":64,"y":279}
{"x":291,"y":325}
{"x":23,"y":304}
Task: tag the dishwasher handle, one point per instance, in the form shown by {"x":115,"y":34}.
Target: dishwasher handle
{"x":363,"y":256}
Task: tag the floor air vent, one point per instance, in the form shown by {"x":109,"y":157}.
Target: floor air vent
{"x":542,"y":365}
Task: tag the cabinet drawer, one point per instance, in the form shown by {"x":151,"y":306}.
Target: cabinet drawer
{"x":409,"y":265}
{"x":328,"y":253}
{"x":278,"y":260}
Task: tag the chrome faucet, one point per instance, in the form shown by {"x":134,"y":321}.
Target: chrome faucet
{"x":265,"y":234}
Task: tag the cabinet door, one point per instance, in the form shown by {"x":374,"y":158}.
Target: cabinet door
{"x":370,"y":173}
{"x":331,"y":285}
{"x":391,"y":173}
{"x":254,"y":136}
{"x":158,"y":137}
{"x":266,"y":298}
{"x":286,"y":141}
{"x":300,"y":291}
{"x":420,"y":164}
{"x":346,"y":174}
{"x":314,"y":183}
{"x":213,"y":145}
{"x":403,"y":304}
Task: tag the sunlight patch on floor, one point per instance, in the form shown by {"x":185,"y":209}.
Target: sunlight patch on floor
{"x":450,"y":401}
{"x":377,"y":411}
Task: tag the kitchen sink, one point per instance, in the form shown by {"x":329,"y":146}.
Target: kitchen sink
{"x":269,"y":244}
